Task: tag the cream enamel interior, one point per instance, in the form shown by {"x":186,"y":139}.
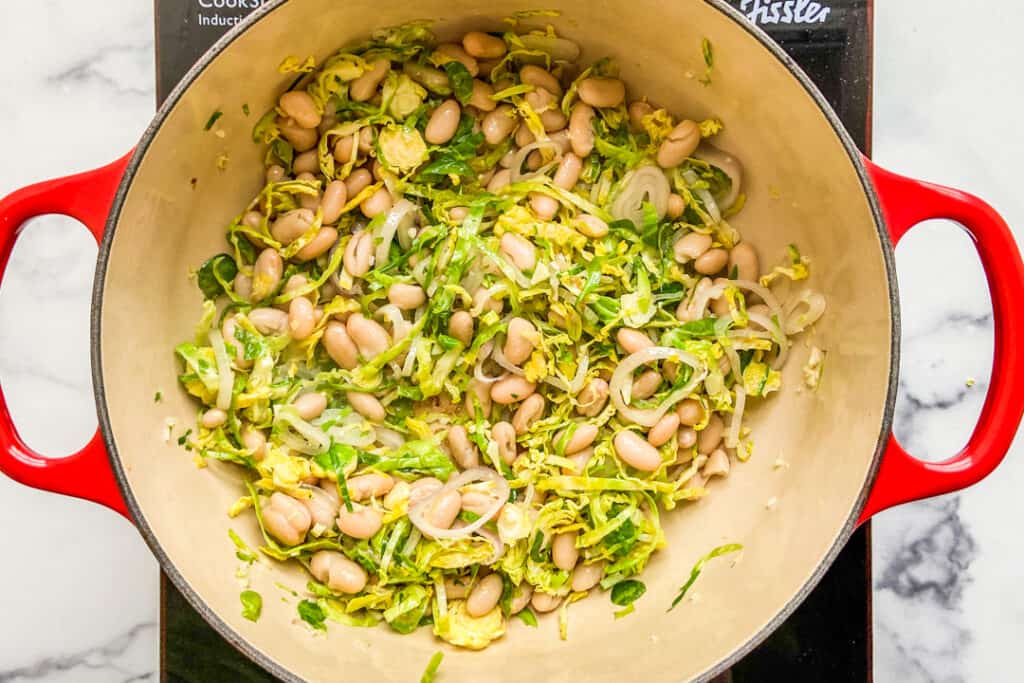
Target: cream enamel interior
{"x":802,"y":188}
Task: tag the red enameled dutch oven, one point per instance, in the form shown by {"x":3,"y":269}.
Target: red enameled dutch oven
{"x":160,"y":210}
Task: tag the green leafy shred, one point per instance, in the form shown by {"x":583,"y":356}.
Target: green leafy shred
{"x":695,"y":572}
{"x":432,"y":666}
{"x":252,"y":604}
{"x":213,"y":119}
{"x":311,"y":613}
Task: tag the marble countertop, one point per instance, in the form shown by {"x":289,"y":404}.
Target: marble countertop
{"x":80,"y":597}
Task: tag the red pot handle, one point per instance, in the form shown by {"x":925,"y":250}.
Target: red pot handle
{"x":87,"y":473}
{"x":901,"y":477}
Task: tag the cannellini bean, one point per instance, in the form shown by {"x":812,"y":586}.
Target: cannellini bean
{"x":322,"y":506}
{"x":366,"y":405}
{"x":362,"y":522}
{"x":337,"y":572}
{"x":711,"y":261}
{"x":646,"y":384}
{"x":332,"y":203}
{"x":266,"y":274}
{"x":357,"y":181}
{"x":663,"y":430}
{"x":498,"y":124}
{"x":369,"y":336}
{"x":636,"y":452}
{"x":544,"y":206}
{"x":686,"y":437}
{"x":307,"y":162}
{"x":593,"y":396}
{"x":310,"y":405}
{"x":299,"y":106}
{"x":445,"y":510}
{"x":343,"y":148}
{"x":275,"y":174}
{"x":476,"y":502}
{"x":372,"y":485}
{"x":544,"y":602}
{"x":690,"y":246}
{"x":720,"y":304}
{"x":358,"y":254}
{"x":568,"y":171}
{"x":519,"y":340}
{"x":676,"y":206}
{"x":319,"y":245}
{"x":301,"y":139}
{"x":301,"y":321}
{"x":504,"y":435}
{"x":363,"y":88}
{"x":463,"y":450}
{"x":690,"y":412}
{"x":406,"y":297}
{"x":291,"y":225}
{"x":443,"y":123}
{"x":632,"y":340}
{"x":270,"y":321}
{"x":458,"y":213}
{"x":521,"y":598}
{"x":481,"y":97}
{"x":602,"y":92}
{"x":680,"y":144}
{"x":591,"y":226}
{"x":529,"y":411}
{"x":483,"y":46}
{"x":580,"y":460}
{"x":484,"y":596}
{"x":457,"y":588}
{"x":213,"y":418}
{"x":511,"y":389}
{"x":564,"y":552}
{"x":637,"y":111}
{"x":286,"y":519}
{"x":581,"y":438}
{"x":253,"y":219}
{"x":483,"y":301}
{"x":378,"y":202}
{"x":455,"y":52}
{"x":744,"y":260}
{"x":501,"y":179}
{"x":254,"y":441}
{"x":717,"y":464}
{"x":539,"y":78}
{"x":709,"y":437}
{"x":421,"y":489}
{"x":339,"y":345}
{"x":519,"y":251}
{"x":586,"y":576}
{"x":524,"y":136}
{"x":460,"y":326}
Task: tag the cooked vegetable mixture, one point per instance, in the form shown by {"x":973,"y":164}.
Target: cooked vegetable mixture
{"x":486,"y":322}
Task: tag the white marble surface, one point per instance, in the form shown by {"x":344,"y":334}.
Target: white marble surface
{"x":79,"y":598}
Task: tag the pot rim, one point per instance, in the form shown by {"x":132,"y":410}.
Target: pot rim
{"x":236,"y":639}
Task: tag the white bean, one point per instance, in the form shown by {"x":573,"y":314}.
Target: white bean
{"x":366,"y":405}
{"x":484,"y":596}
{"x":636,"y":452}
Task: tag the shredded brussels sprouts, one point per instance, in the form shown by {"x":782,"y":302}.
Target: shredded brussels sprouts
{"x":485,"y":323}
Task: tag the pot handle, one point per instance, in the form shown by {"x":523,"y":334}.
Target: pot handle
{"x":902,"y":478}
{"x":86,"y":474}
